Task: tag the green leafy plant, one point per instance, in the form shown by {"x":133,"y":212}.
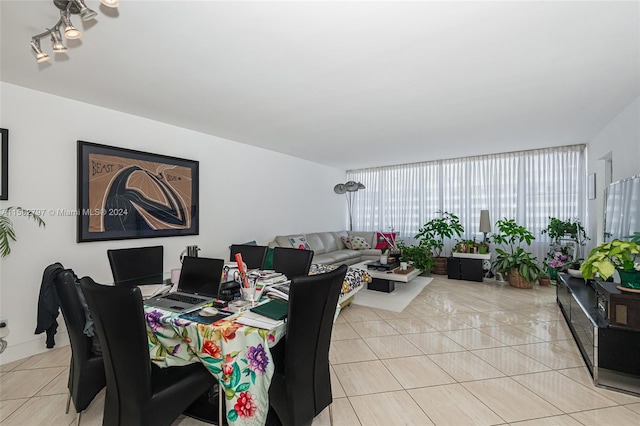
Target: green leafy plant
{"x":607,"y":257}
{"x":433,"y":233}
{"x":418,"y":255}
{"x":557,"y":228}
{"x":7,"y":233}
{"x":635,"y":237}
{"x":512,"y":256}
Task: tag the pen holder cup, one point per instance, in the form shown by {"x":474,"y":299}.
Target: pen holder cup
{"x":248,"y":294}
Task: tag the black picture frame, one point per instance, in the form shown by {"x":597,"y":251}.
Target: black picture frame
{"x":125,"y":194}
{"x":4,"y":164}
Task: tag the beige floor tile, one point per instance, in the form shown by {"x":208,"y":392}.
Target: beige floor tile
{"x":510,"y":361}
{"x":56,"y":386}
{"x":551,"y":355}
{"x":618,"y":416}
{"x":410,"y":325}
{"x":547,"y":331}
{"x":453,"y":405}
{"x":42,"y":410}
{"x":509,"y":335}
{"x":582,"y":376}
{"x":433,"y":343}
{"x":445,"y":323}
{"x":510,"y":400}
{"x":634,"y":407}
{"x":343,"y":414}
{"x":477,"y":320}
{"x":354,"y":350}
{"x":568,"y":345}
{"x":11,"y":365}
{"x":336,"y":387}
{"x":26,"y":383}
{"x":423,"y":310}
{"x":564,"y":420}
{"x":465,"y":366}
{"x":509,"y":317}
{"x":9,"y":406}
{"x":481,"y":305}
{"x":58,"y":357}
{"x":389,"y":408}
{"x":362,"y":378}
{"x":417,"y":372}
{"x":391,"y":315}
{"x":373,"y":328}
{"x":562,"y":391}
{"x":472,"y":338}
{"x":355,"y":313}
{"x":391,"y":347}
{"x":343,"y":331}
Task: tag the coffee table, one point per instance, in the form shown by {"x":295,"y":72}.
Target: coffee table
{"x":385,"y":280}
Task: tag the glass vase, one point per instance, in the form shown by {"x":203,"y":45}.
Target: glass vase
{"x":553,"y":273}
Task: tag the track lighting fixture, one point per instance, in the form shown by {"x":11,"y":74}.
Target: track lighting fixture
{"x":40,"y":55}
{"x":67,"y":8}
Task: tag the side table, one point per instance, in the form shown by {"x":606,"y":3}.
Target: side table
{"x":467,"y":266}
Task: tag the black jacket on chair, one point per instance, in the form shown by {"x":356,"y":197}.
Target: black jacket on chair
{"x":48,"y":304}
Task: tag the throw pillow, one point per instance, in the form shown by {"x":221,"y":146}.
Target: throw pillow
{"x":380,"y":239}
{"x":358,"y":243}
{"x":346,"y":242}
{"x":300,"y":242}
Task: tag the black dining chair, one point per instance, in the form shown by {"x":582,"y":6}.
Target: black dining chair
{"x":136,"y":266}
{"x":253,"y":256}
{"x":301,"y":384}
{"x":86,"y":370}
{"x":138,"y":392}
{"x":292,"y":262}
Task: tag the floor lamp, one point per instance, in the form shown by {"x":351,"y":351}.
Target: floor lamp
{"x":348,"y":189}
{"x":485,"y":228}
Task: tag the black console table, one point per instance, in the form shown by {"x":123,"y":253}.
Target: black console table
{"x":609,"y":350}
{"x":466,"y":266}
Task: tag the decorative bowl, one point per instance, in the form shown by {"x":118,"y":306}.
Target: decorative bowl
{"x":576,"y":273}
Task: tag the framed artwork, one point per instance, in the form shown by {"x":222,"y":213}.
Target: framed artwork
{"x":591,"y":186}
{"x":125,"y":194}
{"x":4,"y":165}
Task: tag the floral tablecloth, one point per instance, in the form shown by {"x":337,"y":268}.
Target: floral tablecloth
{"x":236,"y":354}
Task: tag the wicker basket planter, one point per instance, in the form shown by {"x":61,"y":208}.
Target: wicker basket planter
{"x":516,"y":280}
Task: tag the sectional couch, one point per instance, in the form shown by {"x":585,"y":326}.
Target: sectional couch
{"x":328,"y":247}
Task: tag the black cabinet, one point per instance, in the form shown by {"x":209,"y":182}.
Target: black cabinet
{"x":609,"y":352}
{"x":460,"y":268}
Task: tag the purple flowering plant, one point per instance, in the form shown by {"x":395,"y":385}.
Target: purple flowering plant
{"x":558,"y":260}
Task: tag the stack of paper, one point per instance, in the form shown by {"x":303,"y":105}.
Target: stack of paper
{"x":279,"y":291}
{"x":150,"y":290}
{"x":256,"y":320}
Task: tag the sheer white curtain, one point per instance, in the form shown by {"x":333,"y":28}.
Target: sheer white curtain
{"x":528,"y":186}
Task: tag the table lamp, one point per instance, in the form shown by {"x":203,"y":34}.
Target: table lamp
{"x":485,"y":223}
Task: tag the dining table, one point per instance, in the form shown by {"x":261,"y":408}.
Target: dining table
{"x":237,"y":355}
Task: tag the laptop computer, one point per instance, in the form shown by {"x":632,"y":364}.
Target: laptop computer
{"x":198,"y":285}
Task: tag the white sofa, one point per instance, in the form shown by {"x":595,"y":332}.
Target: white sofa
{"x":328,"y":247}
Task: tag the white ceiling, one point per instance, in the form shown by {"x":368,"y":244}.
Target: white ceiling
{"x":347,"y":84}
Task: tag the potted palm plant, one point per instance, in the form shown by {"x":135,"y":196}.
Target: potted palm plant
{"x":520,"y":266}
{"x":432,"y":235}
{"x":7,"y":233}
{"x":617,"y":255}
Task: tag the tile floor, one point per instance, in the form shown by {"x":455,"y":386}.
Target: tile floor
{"x":461,"y":353}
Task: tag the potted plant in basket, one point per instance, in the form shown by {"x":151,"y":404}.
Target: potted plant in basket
{"x":522,"y":268}
{"x":432,"y":234}
{"x":544,"y":280}
{"x":616,"y":255}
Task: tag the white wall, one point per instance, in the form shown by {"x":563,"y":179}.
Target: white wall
{"x":620,"y":140}
{"x":246,"y":193}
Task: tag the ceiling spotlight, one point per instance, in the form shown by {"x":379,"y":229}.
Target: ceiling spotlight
{"x":70,"y":32}
{"x":85,"y":13}
{"x":67,"y":8}
{"x":110,"y":3}
{"x":56,"y":41}
{"x":40,"y":55}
